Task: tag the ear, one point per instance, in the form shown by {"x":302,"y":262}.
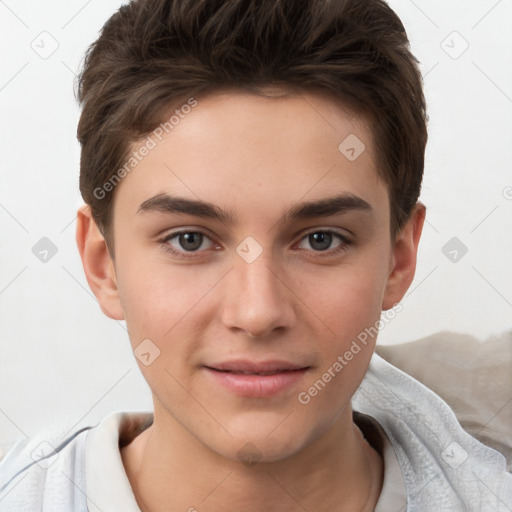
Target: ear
{"x":98,"y":265}
{"x":403,"y":258}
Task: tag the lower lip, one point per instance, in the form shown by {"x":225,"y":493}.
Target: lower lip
{"x":257,"y":385}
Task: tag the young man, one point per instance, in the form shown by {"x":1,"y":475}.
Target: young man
{"x":251,"y":172}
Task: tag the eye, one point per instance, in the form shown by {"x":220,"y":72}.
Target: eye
{"x":186,"y":243}
{"x":321,"y":241}
{"x":191,"y":244}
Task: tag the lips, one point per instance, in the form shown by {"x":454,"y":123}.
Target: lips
{"x":244,"y":367}
{"x":257,"y":379}
{"x":252,"y":373}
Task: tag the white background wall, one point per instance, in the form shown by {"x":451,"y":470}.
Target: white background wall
{"x":62,"y":361}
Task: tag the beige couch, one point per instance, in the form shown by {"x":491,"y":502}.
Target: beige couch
{"x":473,"y":377}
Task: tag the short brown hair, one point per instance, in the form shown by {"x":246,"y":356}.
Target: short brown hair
{"x":154,"y":54}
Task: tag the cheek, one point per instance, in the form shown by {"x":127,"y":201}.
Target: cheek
{"x":358,"y":304}
{"x":346,"y":299}
{"x":156,"y":297}
{"x":349,"y":308}
{"x":160,"y":304}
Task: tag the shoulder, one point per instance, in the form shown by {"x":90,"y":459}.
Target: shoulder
{"x":443,"y":466}
{"x":46,"y":468}
{"x":50,"y":470}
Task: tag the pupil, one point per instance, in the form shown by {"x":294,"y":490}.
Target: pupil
{"x":190,"y":241}
{"x":322,"y":239}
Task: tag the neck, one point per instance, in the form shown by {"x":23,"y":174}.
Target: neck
{"x":170,"y":470}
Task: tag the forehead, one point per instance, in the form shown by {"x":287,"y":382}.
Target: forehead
{"x":256,"y":153}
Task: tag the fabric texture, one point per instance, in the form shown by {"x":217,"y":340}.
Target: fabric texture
{"x":444,"y":468}
{"x":473,"y":377}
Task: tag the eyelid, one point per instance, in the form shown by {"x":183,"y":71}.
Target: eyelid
{"x":301,"y":235}
{"x":169,"y":236}
{"x":342,"y":235}
{"x":345,"y":241}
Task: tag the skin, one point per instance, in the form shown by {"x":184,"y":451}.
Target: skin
{"x":255,"y":157}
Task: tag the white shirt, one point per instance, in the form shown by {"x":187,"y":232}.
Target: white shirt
{"x":430,"y":462}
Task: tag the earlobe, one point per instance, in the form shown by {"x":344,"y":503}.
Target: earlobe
{"x":98,"y":265}
{"x":404,"y":252}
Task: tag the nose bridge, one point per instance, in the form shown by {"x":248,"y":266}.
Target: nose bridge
{"x":257,"y":276}
{"x":258,"y":300}
{"x":254,"y":262}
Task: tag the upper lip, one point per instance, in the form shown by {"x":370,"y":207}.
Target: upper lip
{"x":241,"y":365}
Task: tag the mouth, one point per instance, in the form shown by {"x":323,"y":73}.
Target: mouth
{"x":239,"y":372}
{"x":257,"y":379}
{"x":244,"y":366}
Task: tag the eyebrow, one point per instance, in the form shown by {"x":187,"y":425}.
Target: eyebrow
{"x":165,"y":203}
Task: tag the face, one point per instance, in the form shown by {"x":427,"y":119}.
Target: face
{"x":279,"y":272}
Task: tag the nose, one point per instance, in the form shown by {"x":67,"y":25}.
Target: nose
{"x":258,"y":299}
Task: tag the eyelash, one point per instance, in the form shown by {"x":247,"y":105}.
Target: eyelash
{"x":345,"y":243}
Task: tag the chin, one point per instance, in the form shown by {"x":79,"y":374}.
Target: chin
{"x":258,"y":451}
{"x":266,"y":443}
